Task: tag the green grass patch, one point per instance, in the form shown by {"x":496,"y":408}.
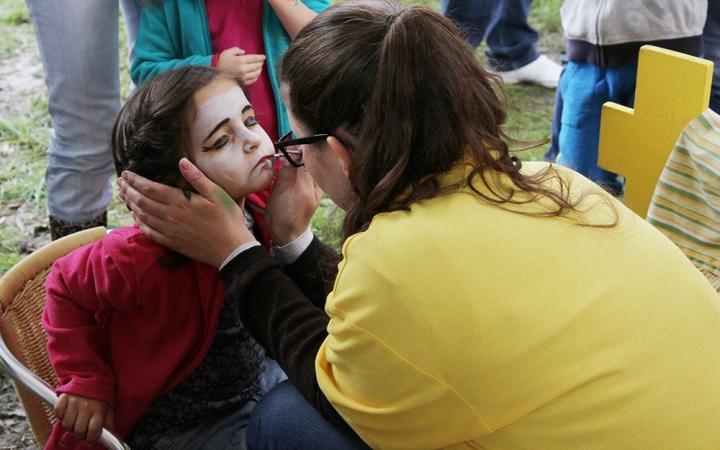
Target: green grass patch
{"x":13,"y":12}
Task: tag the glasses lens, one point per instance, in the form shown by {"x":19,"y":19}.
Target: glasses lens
{"x":293,"y":152}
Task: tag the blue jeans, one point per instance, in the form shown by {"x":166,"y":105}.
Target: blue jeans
{"x":224,"y":431}
{"x":711,"y":37}
{"x":502,"y":23}
{"x":584,"y":88}
{"x":553,"y":149}
{"x":78,"y":42}
{"x":285,"y":420}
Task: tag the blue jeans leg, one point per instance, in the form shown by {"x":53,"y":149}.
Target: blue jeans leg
{"x":502,"y":23}
{"x":511,"y":40}
{"x":585,"y":87}
{"x":554,"y":149}
{"x":78,"y":42}
{"x":224,"y":431}
{"x":473,"y":17}
{"x":285,"y":420}
{"x":227,"y":430}
{"x":711,"y":37}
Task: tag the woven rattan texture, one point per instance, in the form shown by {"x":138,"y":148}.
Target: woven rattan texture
{"x":26,"y":339}
{"x":22,"y":298}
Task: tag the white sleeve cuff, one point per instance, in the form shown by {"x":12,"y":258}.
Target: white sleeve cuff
{"x":289,"y":253}
{"x":239,"y":250}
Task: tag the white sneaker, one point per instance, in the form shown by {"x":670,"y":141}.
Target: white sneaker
{"x":543,"y":71}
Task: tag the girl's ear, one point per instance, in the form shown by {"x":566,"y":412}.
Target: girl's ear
{"x":342,"y":152}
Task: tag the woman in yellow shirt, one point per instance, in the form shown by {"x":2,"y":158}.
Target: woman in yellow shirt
{"x":480,"y":302}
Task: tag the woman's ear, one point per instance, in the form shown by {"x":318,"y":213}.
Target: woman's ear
{"x":342,"y":152}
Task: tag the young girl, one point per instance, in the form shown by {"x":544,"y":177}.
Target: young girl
{"x":141,"y":338}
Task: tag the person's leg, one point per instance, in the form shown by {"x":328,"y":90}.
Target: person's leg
{"x":78,"y":42}
{"x":512,"y":53}
{"x":553,"y":150}
{"x":511,"y":40}
{"x":473,"y":17}
{"x":584,"y":90}
{"x":284,"y":420}
{"x":711,"y":37}
{"x":225,"y":431}
{"x":132,"y":9}
{"x":274,"y":375}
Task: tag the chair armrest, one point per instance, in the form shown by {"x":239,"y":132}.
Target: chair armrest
{"x":38,"y":387}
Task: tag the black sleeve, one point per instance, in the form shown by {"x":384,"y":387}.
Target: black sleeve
{"x":282,"y":319}
{"x":314,"y":272}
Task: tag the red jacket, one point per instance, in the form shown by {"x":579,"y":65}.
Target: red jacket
{"x":123,"y":329}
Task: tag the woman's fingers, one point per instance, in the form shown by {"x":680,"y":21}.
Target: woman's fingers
{"x":132,"y":183}
{"x":292,"y":203}
{"x":206,"y":188}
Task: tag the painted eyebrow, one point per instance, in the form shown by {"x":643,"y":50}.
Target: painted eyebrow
{"x":217,"y":127}
{"x":246,"y":108}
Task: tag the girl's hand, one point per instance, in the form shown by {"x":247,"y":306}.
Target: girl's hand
{"x":234,"y":60}
{"x":294,"y":198}
{"x":84,"y":417}
{"x":206,"y":227}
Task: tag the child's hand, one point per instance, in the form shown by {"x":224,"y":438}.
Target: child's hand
{"x":249,"y":67}
{"x":84,"y":417}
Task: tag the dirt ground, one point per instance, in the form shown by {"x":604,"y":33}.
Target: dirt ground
{"x":14,"y":429}
{"x":21,"y":77}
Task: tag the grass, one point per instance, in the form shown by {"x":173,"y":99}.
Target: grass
{"x":25,"y":125}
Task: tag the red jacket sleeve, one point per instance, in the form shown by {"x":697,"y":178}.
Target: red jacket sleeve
{"x":82,"y":288}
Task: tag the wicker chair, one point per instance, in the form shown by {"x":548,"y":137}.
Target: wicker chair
{"x":23,"y":352}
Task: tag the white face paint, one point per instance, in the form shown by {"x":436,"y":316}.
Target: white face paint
{"x":227,"y":144}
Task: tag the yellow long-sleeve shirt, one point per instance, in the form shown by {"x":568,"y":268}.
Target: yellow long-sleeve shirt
{"x":458,"y":324}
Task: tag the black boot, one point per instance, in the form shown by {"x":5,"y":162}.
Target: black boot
{"x":60,"y":228}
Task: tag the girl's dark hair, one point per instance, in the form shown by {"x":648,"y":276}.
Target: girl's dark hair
{"x":399,"y":86}
{"x":152,"y":132}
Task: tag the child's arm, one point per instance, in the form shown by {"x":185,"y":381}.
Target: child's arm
{"x":155,"y":52}
{"x":84,"y":417}
{"x":295,"y":14}
{"x":81,"y":288}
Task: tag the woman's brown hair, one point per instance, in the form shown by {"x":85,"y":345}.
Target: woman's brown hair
{"x":400,"y":87}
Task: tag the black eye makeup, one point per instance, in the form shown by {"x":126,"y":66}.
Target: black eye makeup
{"x":250,"y":121}
{"x":224,"y":139}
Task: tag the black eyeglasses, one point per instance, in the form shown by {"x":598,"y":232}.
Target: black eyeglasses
{"x":295,"y":157}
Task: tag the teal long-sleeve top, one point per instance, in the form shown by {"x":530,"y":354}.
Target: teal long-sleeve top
{"x":175,"y":33}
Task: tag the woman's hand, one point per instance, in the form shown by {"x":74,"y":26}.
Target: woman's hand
{"x":292,"y":203}
{"x":206,"y":227}
{"x":84,"y":417}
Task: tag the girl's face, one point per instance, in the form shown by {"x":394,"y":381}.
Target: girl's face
{"x":227,"y":144}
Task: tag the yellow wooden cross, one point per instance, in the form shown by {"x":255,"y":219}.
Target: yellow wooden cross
{"x":672,"y":89}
